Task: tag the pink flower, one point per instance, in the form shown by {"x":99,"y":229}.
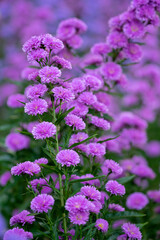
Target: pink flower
{"x":17,"y":233}
{"x":17,"y":141}
{"x":64,"y":94}
{"x":49,"y":74}
{"x":36,"y":91}
{"x":14,"y":101}
{"x":132,"y":231}
{"x":100,"y":122}
{"x":37,"y":106}
{"x":115,"y":188}
{"x":116,"y":207}
{"x":102,"y":225}
{"x":111,"y":166}
{"x":75,"y":121}
{"x":96,"y":149}
{"x":77,"y":204}
{"x":137,"y":200}
{"x":42,"y":203}
{"x":68,"y":157}
{"x":22,"y":218}
{"x":79,"y":218}
{"x":44,"y":130}
{"x":111,"y":71}
{"x":91,"y":192}
{"x":27,"y":167}
{"x":87,"y":98}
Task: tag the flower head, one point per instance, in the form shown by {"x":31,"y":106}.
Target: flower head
{"x":14,"y":101}
{"x":117,"y":40}
{"x":79,"y":218}
{"x":37,"y":106}
{"x":137,"y":200}
{"x":111,"y":166}
{"x":36,"y":91}
{"x":77,"y":203}
{"x":100,"y":122}
{"x":75,"y":121}
{"x":91,"y":192}
{"x":17,"y":234}
{"x":115,"y":188}
{"x":96,"y":149}
{"x":100,"y":48}
{"x":134,"y":29}
{"x":44,"y":130}
{"x":132,"y":231}
{"x":61,"y":62}
{"x":49,"y":74}
{"x":111,"y":71}
{"x":87,"y":98}
{"x":102,"y":225}
{"x":42,"y":203}
{"x":17,"y":141}
{"x":27,"y":167}
{"x":41,"y":161}
{"x":116,"y":207}
{"x":64,"y":94}
{"x":68,"y":157}
{"x":22,"y":218}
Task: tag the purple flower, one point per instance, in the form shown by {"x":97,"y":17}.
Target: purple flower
{"x":44,"y":130}
{"x":39,"y":55}
{"x":116,"y":207}
{"x":40,"y":185}
{"x":116,"y":40}
{"x":95,"y":182}
{"x":79,"y":110}
{"x":154,"y":195}
{"x":27,"y":167}
{"x":61,"y":62}
{"x":41,"y":161}
{"x":153,"y":148}
{"x":96,"y":149}
{"x":134,"y":29}
{"x":96,"y":206}
{"x":14,"y":101}
{"x":77,"y":204}
{"x":17,"y":141}
{"x":17,"y":234}
{"x":111,"y":71}
{"x":102,"y":225}
{"x":134,"y":52}
{"x":144,"y":171}
{"x":52,"y":43}
{"x":42,"y":203}
{"x":75,"y":121}
{"x":111,"y":166}
{"x":68,"y":157}
{"x":91,"y":192}
{"x":75,"y":41}
{"x":132,"y":231}
{"x":4,"y":178}
{"x":137,"y":201}
{"x":115,"y":188}
{"x":22,"y":218}
{"x":99,"y":122}
{"x":64,"y":94}
{"x":36,"y":91}
{"x":100,"y":107}
{"x":79,"y":218}
{"x":100,"y":48}
{"x":37,"y":106}
{"x":78,"y":85}
{"x":32,"y":44}
{"x":87,"y":98}
{"x":93,"y":82}
{"x":49,"y":74}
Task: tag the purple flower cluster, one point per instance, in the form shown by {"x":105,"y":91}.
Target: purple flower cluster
{"x":42,"y":203}
{"x":27,"y":167}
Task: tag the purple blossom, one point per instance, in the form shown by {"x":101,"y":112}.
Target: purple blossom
{"x":75,"y":121}
{"x":79,"y":218}
{"x":134,"y":29}
{"x":76,"y":138}
{"x":39,"y":55}
{"x":27,"y":167}
{"x":77,"y":204}
{"x":60,"y":62}
{"x":32,"y":44}
{"x":64,"y":94}
{"x":117,"y":40}
{"x":42,"y":203}
{"x":49,"y":74}
{"x":101,"y":48}
{"x":99,"y":122}
{"x":44,"y":130}
{"x":78,"y":85}
{"x":4,"y":178}
{"x":52,"y":44}
{"x":36,"y":91}
{"x":87,"y":98}
{"x":93,"y":82}
{"x":102,"y":225}
{"x":115,"y":188}
{"x":14,"y":101}
{"x":41,"y":161}
{"x":96,"y":207}
{"x":100,"y":107}
{"x":143,"y":171}
{"x":68,"y":157}
{"x":95,"y":182}
{"x":111,"y":71}
{"x":79,"y":110}
{"x":16,"y":142}
{"x":111,"y":166}
{"x":75,"y":41}
{"x":37,"y":106}
{"x":137,"y":200}
{"x":96,"y":149}
{"x":40,"y":185}
{"x":91,"y":192}
{"x":22,"y":218}
{"x":134,"y":52}
{"x":17,"y":234}
{"x":116,"y":207}
{"x":132,"y":231}
{"x":154,"y":195}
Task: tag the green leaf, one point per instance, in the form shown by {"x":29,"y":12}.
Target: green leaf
{"x":91,"y":66}
{"x":114,"y":236}
{"x":86,"y":140}
{"x":86,"y":179}
{"x":63,"y":115}
{"x":129,"y":64}
{"x":25,"y":133}
{"x":49,"y":167}
{"x":125,"y":214}
{"x":108,"y":139}
{"x":141,"y":225}
{"x":89,"y":226}
{"x":125,"y":179}
{"x":108,"y":117}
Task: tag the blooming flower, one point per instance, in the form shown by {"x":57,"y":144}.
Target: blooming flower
{"x":132,"y":231}
{"x":143,"y":171}
{"x":17,"y":233}
{"x":134,"y":29}
{"x":22,"y":218}
{"x":77,"y":204}
{"x":116,"y":207}
{"x":75,"y":121}
{"x":115,"y":188}
{"x":52,"y":43}
{"x":49,"y":74}
{"x":79,"y":218}
{"x":68,"y":157}
{"x":96,"y":149}
{"x":100,"y":122}
{"x":14,"y":101}
{"x":101,"y":224}
{"x":93,"y":82}
{"x":95,"y":182}
{"x":40,"y":185}
{"x":27,"y":167}
{"x":37,"y":106}
{"x":61,"y":62}
{"x":4,"y":178}
{"x":87,"y":98}
{"x":42,"y":203}
{"x":133,"y":51}
{"x":78,"y":85}
{"x":96,"y":206}
{"x":79,"y":110}
{"x":41,"y":161}
{"x":154,"y":195}
{"x":100,"y":48}
{"x":17,"y":141}
{"x":111,"y":71}
{"x":116,"y":40}
{"x":36,"y":91}
{"x":111,"y":166}
{"x":44,"y":130}
{"x":91,"y":192}
{"x":63,"y":94}
{"x":137,"y":200}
